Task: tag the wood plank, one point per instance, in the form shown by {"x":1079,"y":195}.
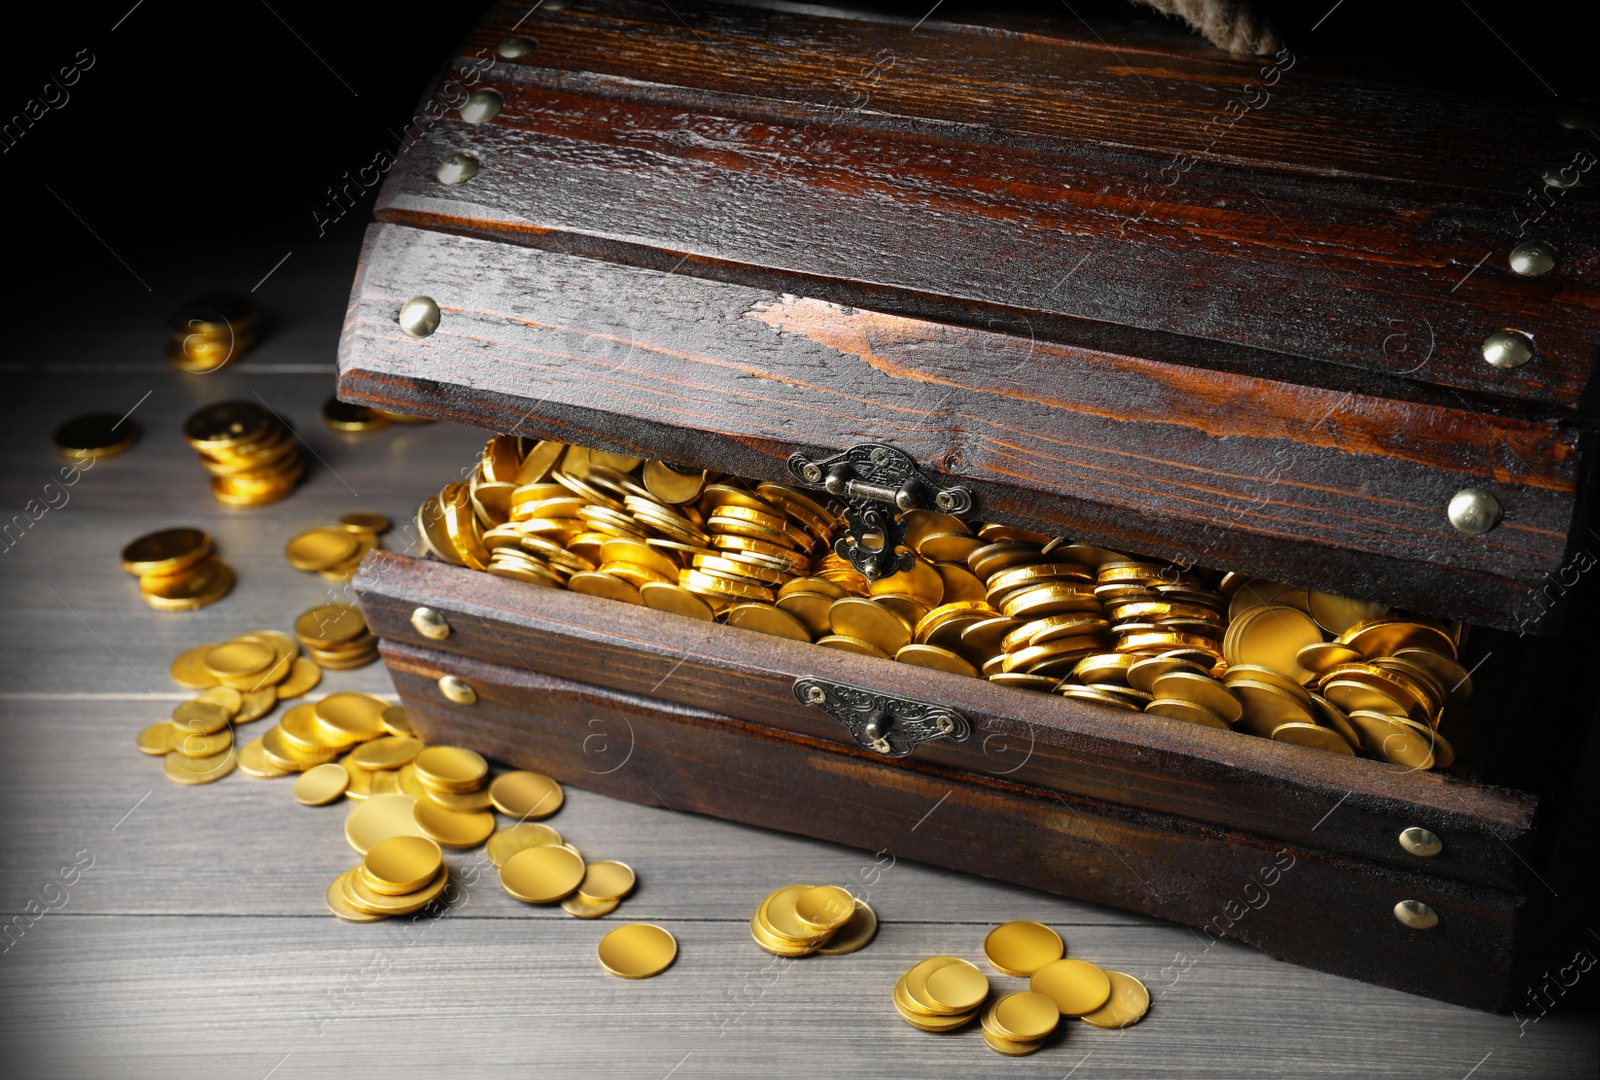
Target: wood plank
{"x":1074,"y":747}
{"x":1223,"y":470}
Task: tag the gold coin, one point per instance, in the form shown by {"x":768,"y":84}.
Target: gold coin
{"x":361,"y":894}
{"x":1385,"y":637}
{"x":526,"y":796}
{"x":704,"y":584}
{"x":1202,"y":690}
{"x":401,"y":865}
{"x":1271,"y":636}
{"x":607,"y":880}
{"x":637,"y":951}
{"x":766,"y":619}
{"x":453,"y":828}
{"x":1076,"y":986}
{"x":388,"y":752}
{"x":238,"y":660}
{"x":1025,"y":1017}
{"x":191,"y":745}
{"x":321,"y":785}
{"x":1323,"y":656}
{"x":1127,"y":1005}
{"x":304,"y":675}
{"x":253,"y":761}
{"x":189,"y":671}
{"x":225,"y":698}
{"x":671,"y":486}
{"x":328,"y":625}
{"x":542,"y":875}
{"x":365,"y":521}
{"x":199,"y":718}
{"x":204,"y":770}
{"x":584,"y":907}
{"x":1319,"y":738}
{"x":594,"y":583}
{"x":289,"y":756}
{"x":396,"y":721}
{"x":1267,"y":706}
{"x":299,"y":731}
{"x":868,"y":621}
{"x":97,"y":435}
{"x":153,"y":739}
{"x":379,"y":818}
{"x":931,"y":656}
{"x":202,"y":584}
{"x":856,"y":934}
{"x":1187,"y":711}
{"x":351,"y":715}
{"x":845,"y":643}
{"x":776,"y":945}
{"x":923,"y":1021}
{"x":1006,"y":1046}
{"x":1396,"y":739}
{"x":1022,"y":948}
{"x":170,"y":551}
{"x":916,"y":985}
{"x":824,"y":909}
{"x":342,"y":907}
{"x":676,"y":599}
{"x":957,"y":987}
{"x":318,"y":549}
{"x":512,"y":839}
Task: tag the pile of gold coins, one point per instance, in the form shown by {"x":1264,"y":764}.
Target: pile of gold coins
{"x":336,"y":552}
{"x":239,"y":681}
{"x":211,"y":331}
{"x":337,"y":636}
{"x":1012,"y":606}
{"x":253,"y":457}
{"x":945,"y":993}
{"x":177,"y":569}
{"x":798,"y":920}
{"x":396,"y":876}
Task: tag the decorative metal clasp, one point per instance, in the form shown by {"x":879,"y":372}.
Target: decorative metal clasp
{"x":885,"y":724}
{"x":867,"y":477}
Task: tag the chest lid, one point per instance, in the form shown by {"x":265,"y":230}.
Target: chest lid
{"x":1240,"y":322}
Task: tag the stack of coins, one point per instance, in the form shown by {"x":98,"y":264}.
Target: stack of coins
{"x":396,"y":876}
{"x":798,"y":920}
{"x":253,"y":457}
{"x":354,"y":419}
{"x":336,"y":553}
{"x":337,"y":636}
{"x":240,"y":681}
{"x":177,"y":569}
{"x":942,"y":993}
{"x":211,"y":331}
{"x":1016,"y":607}
{"x":316,"y":733}
{"x":96,"y":435}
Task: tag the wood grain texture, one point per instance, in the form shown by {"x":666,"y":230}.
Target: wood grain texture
{"x":1354,"y":807}
{"x":1336,"y":489}
{"x":633,"y":132}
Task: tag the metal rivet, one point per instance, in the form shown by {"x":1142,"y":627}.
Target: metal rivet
{"x":944,"y":500}
{"x":1474,"y":511}
{"x":816,"y":695}
{"x":513,"y":47}
{"x":482,"y":106}
{"x":419,"y":316}
{"x":1508,"y":348}
{"x":1416,"y":914}
{"x":457,"y":690}
{"x":881,"y":746}
{"x":1579,"y":118}
{"x":945,"y":725}
{"x":812,"y":473}
{"x":1532,"y":258}
{"x":1421,"y":842}
{"x":879,"y":456}
{"x":457,"y":168}
{"x":1563,"y":176}
{"x":430,"y":624}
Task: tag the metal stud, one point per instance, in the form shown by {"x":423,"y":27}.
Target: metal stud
{"x":1508,"y":348}
{"x":457,"y":690}
{"x":513,"y":47}
{"x":1416,"y":914}
{"x":430,"y":624}
{"x":457,"y":168}
{"x":1424,"y":843}
{"x":482,"y":106}
{"x":1474,"y":511}
{"x":419,"y":316}
{"x":1531,"y":258}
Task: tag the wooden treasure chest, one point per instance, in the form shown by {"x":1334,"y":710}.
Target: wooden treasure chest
{"x":924,"y":437}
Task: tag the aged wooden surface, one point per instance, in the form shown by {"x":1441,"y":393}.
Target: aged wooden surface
{"x":1035,"y":176}
{"x":1324,"y":801}
{"x":196,"y":944}
{"x":1342,"y":489}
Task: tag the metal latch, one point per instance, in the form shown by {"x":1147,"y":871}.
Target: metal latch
{"x":883,"y":723}
{"x":874,"y":481}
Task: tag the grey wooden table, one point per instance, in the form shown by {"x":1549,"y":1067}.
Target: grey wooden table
{"x":195,"y":942}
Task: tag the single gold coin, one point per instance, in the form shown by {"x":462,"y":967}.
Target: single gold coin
{"x":1127,"y":1005}
{"x":542,"y":875}
{"x":855,"y":934}
{"x":365,"y":521}
{"x":198,"y":746}
{"x":1025,"y":1017}
{"x":1009,"y":1046}
{"x":318,"y":549}
{"x":864,"y":620}
{"x":225,"y":698}
{"x":957,"y":987}
{"x":379,"y":818}
{"x":401,"y":864}
{"x":824,"y":909}
{"x":1312,"y":735}
{"x":676,"y":599}
{"x":1187,"y":711}
{"x":1211,"y":694}
{"x":766,"y":619}
{"x":1076,"y":986}
{"x":932,"y":656}
{"x":1022,"y":948}
{"x":917,"y":985}
{"x":450,"y":768}
{"x":453,"y":828}
{"x":169,"y":551}
{"x":778,"y":915}
{"x":303,"y":676}
{"x":253,"y":761}
{"x":396,"y":721}
{"x":607,"y":880}
{"x":203,"y":770}
{"x":327,"y":625}
{"x":526,"y":796}
{"x":97,"y":435}
{"x":594,"y":583}
{"x":199,"y":718}
{"x":352,"y":715}
{"x":189,"y":670}
{"x":512,"y":839}
{"x":254,"y":704}
{"x":637,"y":951}
{"x":342,"y":907}
{"x":388,"y":752}
{"x":321,"y":785}
{"x":584,"y":907}
{"x":154,"y":739}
